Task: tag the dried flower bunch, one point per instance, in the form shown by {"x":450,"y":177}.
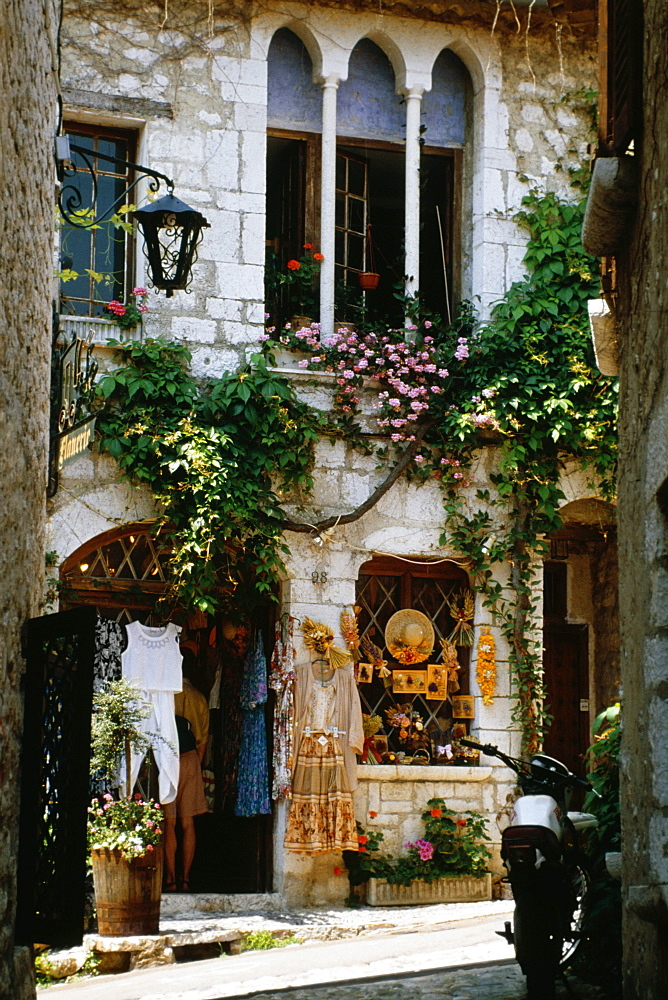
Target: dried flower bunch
{"x":462,"y":607}
{"x":452,"y":666}
{"x":320,"y":639}
{"x":375,"y":655}
{"x":350,"y":632}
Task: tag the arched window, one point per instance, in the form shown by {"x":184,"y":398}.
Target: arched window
{"x":386,"y":585}
{"x":121,"y":572}
{"x":370,"y":186}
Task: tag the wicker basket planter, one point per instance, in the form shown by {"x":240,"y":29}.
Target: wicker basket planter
{"x":462,"y":889}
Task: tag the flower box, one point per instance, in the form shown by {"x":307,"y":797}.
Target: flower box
{"x":460,"y":889}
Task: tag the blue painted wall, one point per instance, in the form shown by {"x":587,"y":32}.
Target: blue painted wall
{"x":444,"y":106}
{"x":293,"y":100}
{"x":368,"y":106}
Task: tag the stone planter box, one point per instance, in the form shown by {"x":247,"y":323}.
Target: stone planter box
{"x":463,"y":889}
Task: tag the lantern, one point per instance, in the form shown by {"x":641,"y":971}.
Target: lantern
{"x":172,"y":232}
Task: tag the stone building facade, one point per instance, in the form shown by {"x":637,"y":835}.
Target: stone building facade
{"x":202,"y":101}
{"x":27,"y":126}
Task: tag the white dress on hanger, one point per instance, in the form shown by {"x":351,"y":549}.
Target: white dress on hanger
{"x":152,"y":663}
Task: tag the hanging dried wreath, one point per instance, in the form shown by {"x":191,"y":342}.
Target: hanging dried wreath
{"x":486,"y":669}
{"x":320,"y":638}
{"x":461,"y":608}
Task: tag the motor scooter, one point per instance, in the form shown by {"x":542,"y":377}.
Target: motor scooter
{"x":541,"y":852}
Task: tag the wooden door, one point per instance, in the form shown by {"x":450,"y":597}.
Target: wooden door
{"x":566,"y":665}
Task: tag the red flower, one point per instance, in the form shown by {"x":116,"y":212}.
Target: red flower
{"x":436,"y":813}
{"x":338,"y":871}
{"x":293,"y":265}
{"x":461,"y":822}
{"x":318,"y":256}
{"x":362,"y":839}
{"x":373,"y":813}
{"x":308,"y":246}
{"x":361,"y":848}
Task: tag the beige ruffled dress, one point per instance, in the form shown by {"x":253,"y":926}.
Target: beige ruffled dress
{"x":328,"y":732}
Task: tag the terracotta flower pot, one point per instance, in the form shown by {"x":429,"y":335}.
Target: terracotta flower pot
{"x":299,"y":322}
{"x":368,"y":280}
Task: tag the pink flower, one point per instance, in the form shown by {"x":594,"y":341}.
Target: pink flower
{"x":303,"y":363}
{"x":139,"y":291}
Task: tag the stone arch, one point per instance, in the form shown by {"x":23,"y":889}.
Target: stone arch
{"x":393,"y":53}
{"x":368,"y":105}
{"x":293,"y":99}
{"x":305,"y":35}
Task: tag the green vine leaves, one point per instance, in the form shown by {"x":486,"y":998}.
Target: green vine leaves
{"x":216,"y":458}
{"x":212,"y":459}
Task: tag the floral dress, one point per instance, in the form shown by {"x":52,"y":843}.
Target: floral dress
{"x":253,"y":779}
{"x":282,"y":681}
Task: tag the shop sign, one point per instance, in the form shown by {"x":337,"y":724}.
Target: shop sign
{"x":72,"y":387}
{"x":74,"y":442}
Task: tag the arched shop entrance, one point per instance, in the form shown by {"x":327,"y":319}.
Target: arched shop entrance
{"x":123,"y":573}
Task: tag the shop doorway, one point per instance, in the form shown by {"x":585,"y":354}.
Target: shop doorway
{"x":122,"y":574}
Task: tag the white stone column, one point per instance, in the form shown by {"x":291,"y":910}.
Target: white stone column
{"x":413,"y":99}
{"x":328,"y":203}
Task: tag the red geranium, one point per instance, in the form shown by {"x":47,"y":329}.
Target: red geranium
{"x":293,"y":265}
{"x":436,"y":813}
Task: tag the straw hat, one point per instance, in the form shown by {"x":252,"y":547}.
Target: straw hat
{"x":394,"y":630}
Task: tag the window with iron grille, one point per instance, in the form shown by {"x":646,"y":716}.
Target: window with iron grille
{"x":386,"y":585}
{"x":104,"y":250}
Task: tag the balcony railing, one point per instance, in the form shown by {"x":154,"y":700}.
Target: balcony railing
{"x":96,"y":329}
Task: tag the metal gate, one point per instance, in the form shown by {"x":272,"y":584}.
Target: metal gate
{"x":55,"y":778}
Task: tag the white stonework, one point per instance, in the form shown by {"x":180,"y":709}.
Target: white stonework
{"x":214,"y":145}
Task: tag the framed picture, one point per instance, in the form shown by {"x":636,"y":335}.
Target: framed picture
{"x":409,"y":681}
{"x":462,"y":706}
{"x":437,"y":682}
{"x":364,"y":673}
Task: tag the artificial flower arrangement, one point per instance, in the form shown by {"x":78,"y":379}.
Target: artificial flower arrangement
{"x":126,"y":822}
{"x":453,"y":845}
{"x":409,"y":726}
{"x":486,"y":667}
{"x":130,"y":313}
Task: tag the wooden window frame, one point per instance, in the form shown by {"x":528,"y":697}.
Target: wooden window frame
{"x":131,"y":137}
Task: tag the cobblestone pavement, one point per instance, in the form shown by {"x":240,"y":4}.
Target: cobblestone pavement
{"x":497,"y":981}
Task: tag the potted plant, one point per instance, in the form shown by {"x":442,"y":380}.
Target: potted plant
{"x":127,"y":315}
{"x":124,"y":830}
{"x":300,"y":276}
{"x":448,"y":865}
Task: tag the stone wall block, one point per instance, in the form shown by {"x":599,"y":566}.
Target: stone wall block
{"x":253,"y":167}
{"x":252,"y":238}
{"x":241,"y":281}
{"x":199,"y":331}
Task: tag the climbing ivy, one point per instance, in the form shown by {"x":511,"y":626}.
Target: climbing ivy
{"x":216,"y":457}
{"x":213,"y":458}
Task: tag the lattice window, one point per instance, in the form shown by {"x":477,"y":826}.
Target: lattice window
{"x":387,"y":585}
{"x":125,"y":568}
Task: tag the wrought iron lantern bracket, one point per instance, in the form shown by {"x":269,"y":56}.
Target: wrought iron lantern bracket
{"x":171,"y":229}
{"x":70,"y":198}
